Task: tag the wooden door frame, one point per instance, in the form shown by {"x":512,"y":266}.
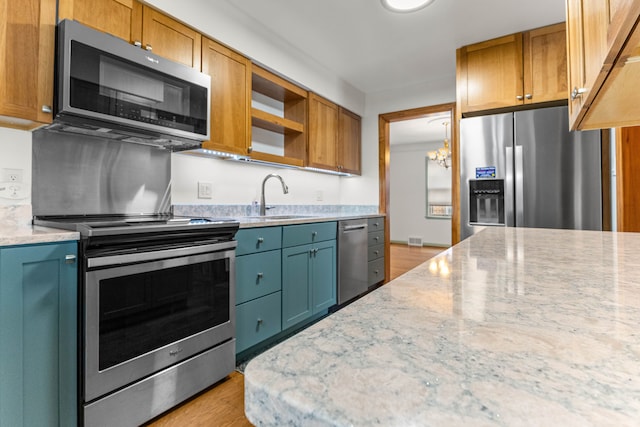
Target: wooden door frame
{"x":384,"y":154}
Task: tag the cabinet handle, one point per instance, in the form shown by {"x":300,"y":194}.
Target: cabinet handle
{"x":577,"y":92}
{"x":376,"y":252}
{"x":314,"y":234}
{"x":70,"y":259}
{"x":137,"y":43}
{"x":260,"y":240}
{"x":260,"y":276}
{"x":376,"y":272}
{"x":376,"y":238}
{"x":250,"y":149}
{"x":528,"y":96}
{"x":47,"y":109}
{"x":519,"y":97}
{"x":375,"y":224}
{"x":148,"y":47}
{"x":259,"y":321}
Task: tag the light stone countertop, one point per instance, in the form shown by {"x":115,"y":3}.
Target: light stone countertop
{"x":28,"y":235}
{"x":16,"y":228}
{"x":511,"y":327}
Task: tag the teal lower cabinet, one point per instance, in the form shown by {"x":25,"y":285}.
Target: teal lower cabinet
{"x":257,"y":275}
{"x":38,"y":335}
{"x":258,"y":286}
{"x":277,"y":289}
{"x":308,"y":281}
{"x":258,"y":320}
{"x":376,"y":251}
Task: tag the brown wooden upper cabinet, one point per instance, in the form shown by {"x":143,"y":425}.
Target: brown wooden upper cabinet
{"x":603,"y":42}
{"x":513,"y":70}
{"x":349,"y":142}
{"x":171,"y":39}
{"x":230,"y":98}
{"x":323,"y":133}
{"x":121,"y":18}
{"x":27,"y":38}
{"x":334,"y":137}
{"x":136,"y":23}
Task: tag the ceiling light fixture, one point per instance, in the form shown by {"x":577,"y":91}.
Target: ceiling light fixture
{"x":405,"y":6}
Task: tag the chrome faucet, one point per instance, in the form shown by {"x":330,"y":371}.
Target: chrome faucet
{"x":285,"y":190}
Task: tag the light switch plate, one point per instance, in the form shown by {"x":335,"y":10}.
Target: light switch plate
{"x":205,"y":190}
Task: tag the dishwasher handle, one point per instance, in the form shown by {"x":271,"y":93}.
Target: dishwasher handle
{"x":354,"y":227}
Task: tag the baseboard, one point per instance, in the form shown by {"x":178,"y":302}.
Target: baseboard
{"x":424,"y":244}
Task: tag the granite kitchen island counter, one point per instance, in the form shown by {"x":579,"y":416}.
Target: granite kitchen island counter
{"x":510,"y":327}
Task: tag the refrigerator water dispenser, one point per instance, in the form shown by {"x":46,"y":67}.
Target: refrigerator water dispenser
{"x":486,"y":201}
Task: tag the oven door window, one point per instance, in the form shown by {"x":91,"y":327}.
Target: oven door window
{"x":143,"y":311}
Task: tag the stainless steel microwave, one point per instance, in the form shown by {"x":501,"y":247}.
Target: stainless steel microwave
{"x":109,"y":88}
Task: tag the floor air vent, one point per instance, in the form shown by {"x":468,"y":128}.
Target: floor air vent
{"x":414,"y":241}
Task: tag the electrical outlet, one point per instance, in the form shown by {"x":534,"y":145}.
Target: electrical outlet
{"x":12,"y":175}
{"x":10,"y":190}
{"x":205,"y":190}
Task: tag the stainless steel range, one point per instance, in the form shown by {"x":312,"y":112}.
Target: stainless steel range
{"x":157,"y":292}
{"x":157,"y":317}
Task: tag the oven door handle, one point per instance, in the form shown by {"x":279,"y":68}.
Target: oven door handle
{"x":111,"y":260}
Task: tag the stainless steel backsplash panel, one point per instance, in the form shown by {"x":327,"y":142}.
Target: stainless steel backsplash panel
{"x":81,"y":175}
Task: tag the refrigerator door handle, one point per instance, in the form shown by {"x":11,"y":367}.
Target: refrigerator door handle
{"x":508,"y":189}
{"x":519,"y":178}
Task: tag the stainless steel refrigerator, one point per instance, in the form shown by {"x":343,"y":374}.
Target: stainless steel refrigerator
{"x":525,"y":169}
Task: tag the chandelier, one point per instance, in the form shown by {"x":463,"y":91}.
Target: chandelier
{"x":443,"y":154}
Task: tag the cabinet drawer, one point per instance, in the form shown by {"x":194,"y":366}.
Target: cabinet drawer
{"x":295,"y":235}
{"x":260,"y":239}
{"x":258,"y":275}
{"x":376,"y":252}
{"x":376,"y":224}
{"x":257,"y":320}
{"x":376,"y":238}
{"x":376,"y":271}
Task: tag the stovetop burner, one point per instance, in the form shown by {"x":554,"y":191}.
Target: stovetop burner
{"x":106,"y":225}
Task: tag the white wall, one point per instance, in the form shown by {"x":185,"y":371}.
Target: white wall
{"x":15,"y":153}
{"x":240,"y":183}
{"x":408,"y":197}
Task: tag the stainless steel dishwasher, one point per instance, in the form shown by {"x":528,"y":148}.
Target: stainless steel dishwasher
{"x":352,"y":259}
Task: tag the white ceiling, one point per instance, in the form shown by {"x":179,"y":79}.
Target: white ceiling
{"x":425,"y":129}
{"x":376,"y":50}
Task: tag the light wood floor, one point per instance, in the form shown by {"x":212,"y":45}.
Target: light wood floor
{"x":223,"y":404}
{"x":405,"y":258}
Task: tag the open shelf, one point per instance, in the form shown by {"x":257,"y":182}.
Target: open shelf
{"x":273,"y":123}
{"x":288,"y":119}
